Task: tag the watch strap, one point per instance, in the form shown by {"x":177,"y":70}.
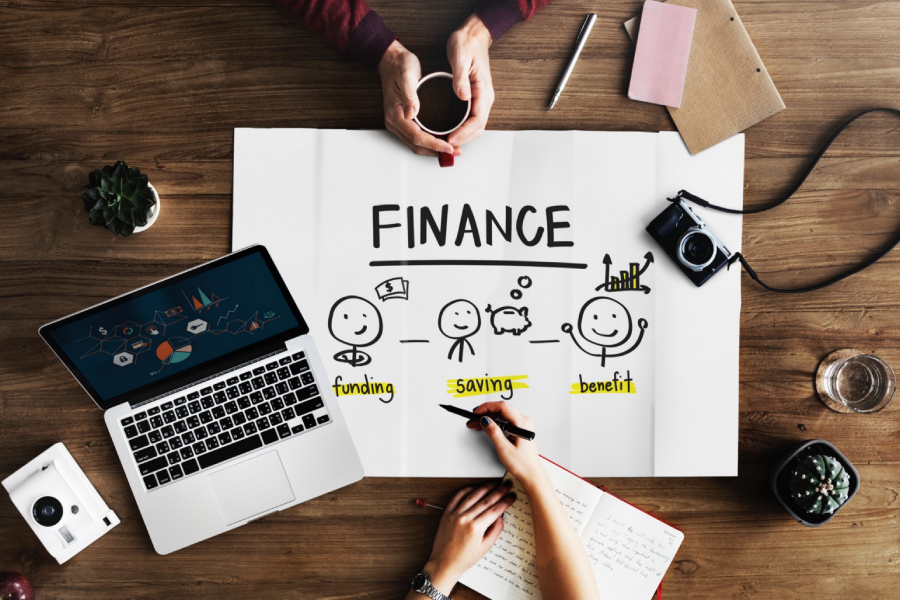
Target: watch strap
{"x":429,"y":590}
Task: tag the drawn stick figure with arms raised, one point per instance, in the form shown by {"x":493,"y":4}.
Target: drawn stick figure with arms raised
{"x":604,"y":325}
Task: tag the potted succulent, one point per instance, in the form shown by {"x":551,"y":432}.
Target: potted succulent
{"x":814,"y":482}
{"x":121,"y":199}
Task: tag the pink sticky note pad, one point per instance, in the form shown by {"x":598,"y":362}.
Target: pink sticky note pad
{"x":661,"y":57}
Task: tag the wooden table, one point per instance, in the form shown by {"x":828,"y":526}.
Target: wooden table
{"x":161,"y":83}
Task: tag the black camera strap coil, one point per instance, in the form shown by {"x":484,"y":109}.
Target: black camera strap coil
{"x":685,"y":195}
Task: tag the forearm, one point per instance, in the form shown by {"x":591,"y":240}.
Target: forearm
{"x":501,"y":15}
{"x":442,"y":579}
{"x":350,"y":26}
{"x":564,"y":570}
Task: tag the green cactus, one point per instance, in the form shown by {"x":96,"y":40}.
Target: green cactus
{"x":819,"y":484}
{"x":119,"y":198}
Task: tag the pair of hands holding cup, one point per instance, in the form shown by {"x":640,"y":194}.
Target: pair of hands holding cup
{"x":467,"y":51}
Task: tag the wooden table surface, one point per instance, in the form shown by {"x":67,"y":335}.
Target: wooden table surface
{"x":161,"y":83}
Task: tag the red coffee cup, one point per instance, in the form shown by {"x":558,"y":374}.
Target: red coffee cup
{"x":445,"y":160}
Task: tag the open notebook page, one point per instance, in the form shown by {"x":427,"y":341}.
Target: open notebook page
{"x":629,"y":549}
{"x":507,"y":571}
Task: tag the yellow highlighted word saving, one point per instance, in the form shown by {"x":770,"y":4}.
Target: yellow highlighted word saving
{"x":480,"y":386}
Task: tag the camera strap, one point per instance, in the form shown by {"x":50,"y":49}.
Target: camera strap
{"x":685,"y":195}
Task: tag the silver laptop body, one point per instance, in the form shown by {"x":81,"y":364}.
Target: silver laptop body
{"x":209,"y":445}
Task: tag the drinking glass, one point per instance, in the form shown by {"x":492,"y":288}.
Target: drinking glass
{"x":863,"y":383}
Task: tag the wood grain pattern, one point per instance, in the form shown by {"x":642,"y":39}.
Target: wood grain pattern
{"x":162,"y":83}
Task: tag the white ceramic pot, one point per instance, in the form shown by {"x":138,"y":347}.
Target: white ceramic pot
{"x":155,"y":211}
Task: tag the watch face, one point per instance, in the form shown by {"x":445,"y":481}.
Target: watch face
{"x":419,"y":580}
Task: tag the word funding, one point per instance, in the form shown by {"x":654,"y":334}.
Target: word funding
{"x":526,"y":224}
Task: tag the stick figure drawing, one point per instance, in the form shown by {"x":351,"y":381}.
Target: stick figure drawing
{"x":605,"y":323}
{"x":356,"y":322}
{"x":458,"y":321}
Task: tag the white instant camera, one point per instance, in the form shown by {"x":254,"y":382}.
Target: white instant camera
{"x":59,"y":503}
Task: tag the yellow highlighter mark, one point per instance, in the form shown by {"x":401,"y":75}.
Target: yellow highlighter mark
{"x":615,"y":386}
{"x":384,"y":391}
{"x":480,"y":386}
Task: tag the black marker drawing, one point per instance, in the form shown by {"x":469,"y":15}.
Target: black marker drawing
{"x":458,"y":321}
{"x":507,"y":319}
{"x":393,"y":288}
{"x":356,"y":322}
{"x":525,"y":282}
{"x":543,"y":341}
{"x":605,"y":323}
{"x":627,"y":281}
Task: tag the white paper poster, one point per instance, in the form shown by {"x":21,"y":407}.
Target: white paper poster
{"x":523,"y":273}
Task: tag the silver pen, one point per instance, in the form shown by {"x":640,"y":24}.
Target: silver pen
{"x":582,"y":38}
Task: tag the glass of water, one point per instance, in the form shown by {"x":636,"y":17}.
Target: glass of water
{"x":863,"y":383}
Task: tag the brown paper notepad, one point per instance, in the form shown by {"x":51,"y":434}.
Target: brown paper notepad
{"x":727,"y":88}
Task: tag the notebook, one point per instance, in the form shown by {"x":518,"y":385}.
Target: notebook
{"x":727,"y":88}
{"x":661,"y":57}
{"x":629,"y":549}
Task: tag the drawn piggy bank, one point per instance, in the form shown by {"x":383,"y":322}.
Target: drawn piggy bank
{"x":507,"y":319}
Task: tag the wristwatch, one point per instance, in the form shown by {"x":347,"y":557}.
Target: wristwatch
{"x":422,"y":585}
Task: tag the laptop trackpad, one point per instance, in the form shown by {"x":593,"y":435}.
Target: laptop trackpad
{"x":251,"y":487}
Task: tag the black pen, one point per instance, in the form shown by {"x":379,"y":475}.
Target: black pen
{"x":503,"y":425}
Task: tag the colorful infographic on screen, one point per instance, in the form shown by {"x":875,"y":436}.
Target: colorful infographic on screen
{"x":179,"y":326}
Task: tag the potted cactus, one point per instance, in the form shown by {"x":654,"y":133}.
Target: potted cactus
{"x":814,"y":482}
{"x":121,"y":199}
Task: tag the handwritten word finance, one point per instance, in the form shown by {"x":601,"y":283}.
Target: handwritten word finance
{"x":421,"y":227}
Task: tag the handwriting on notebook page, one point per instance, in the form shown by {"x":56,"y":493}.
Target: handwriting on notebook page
{"x":629,"y":550}
{"x":509,"y":569}
{"x":627,"y":547}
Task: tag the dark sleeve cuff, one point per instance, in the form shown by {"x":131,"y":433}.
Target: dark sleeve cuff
{"x":498,"y":15}
{"x":370,"y":40}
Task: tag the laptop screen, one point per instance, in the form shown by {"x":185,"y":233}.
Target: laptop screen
{"x":151,"y":340}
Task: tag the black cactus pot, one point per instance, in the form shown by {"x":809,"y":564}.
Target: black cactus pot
{"x":780,"y":479}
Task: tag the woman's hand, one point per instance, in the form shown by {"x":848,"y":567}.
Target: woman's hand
{"x":519,"y":456}
{"x":467,"y":51}
{"x":471,"y":524}
{"x":400,"y":73}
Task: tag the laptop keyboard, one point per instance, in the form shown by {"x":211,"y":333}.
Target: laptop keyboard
{"x":250,"y":409}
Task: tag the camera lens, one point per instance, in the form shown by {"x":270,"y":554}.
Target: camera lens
{"x":47,"y":511}
{"x":696,"y":249}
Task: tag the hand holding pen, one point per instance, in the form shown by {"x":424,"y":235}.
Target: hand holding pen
{"x":518,"y":455}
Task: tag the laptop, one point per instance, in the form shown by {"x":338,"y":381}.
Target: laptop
{"x":216,"y":397}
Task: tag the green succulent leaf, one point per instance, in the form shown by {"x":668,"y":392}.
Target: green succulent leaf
{"x":819,"y":484}
{"x":119,"y":198}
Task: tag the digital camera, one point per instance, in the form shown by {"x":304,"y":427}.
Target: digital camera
{"x":690,"y":243}
{"x":59,"y":503}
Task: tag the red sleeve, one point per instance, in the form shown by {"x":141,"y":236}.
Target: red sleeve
{"x":500,"y":15}
{"x":348,"y":25}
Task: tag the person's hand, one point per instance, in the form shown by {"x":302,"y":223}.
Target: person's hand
{"x":467,"y":50}
{"x":400,"y":73}
{"x":519,"y":456}
{"x":471,"y":524}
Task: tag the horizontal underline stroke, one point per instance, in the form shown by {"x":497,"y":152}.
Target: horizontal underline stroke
{"x":477,"y":263}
